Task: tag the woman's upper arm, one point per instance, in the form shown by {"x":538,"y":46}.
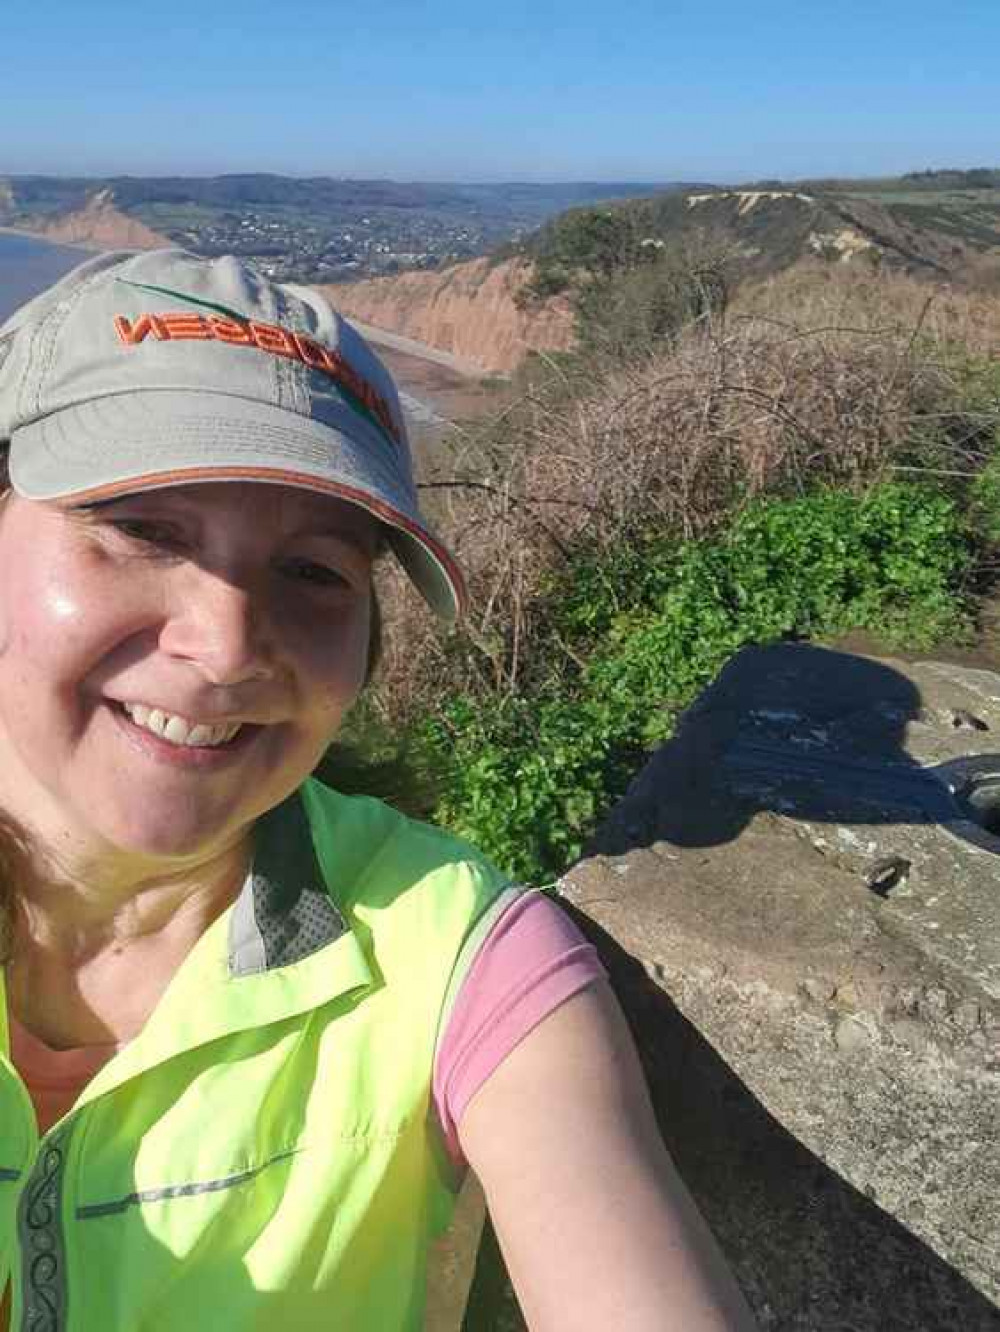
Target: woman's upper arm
{"x":594,"y":1222}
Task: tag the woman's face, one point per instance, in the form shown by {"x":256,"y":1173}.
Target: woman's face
{"x":173,"y":664}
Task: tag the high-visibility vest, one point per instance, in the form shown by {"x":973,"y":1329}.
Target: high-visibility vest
{"x":263,"y":1155}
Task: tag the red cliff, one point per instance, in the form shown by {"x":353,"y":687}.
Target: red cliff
{"x":468,"y":309}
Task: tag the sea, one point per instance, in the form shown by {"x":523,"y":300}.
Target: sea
{"x":28,"y":266}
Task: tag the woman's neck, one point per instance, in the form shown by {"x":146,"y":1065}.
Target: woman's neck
{"x":95,"y":947}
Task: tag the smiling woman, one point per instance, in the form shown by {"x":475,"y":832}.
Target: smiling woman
{"x":252,"y":1031}
{"x":165,"y":620}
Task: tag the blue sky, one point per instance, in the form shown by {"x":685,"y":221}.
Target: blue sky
{"x":551,"y":90}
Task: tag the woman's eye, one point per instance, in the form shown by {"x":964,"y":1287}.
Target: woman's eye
{"x":146,"y":531}
{"x":314,"y":573}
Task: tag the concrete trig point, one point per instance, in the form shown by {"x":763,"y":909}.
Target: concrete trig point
{"x":799,"y":901}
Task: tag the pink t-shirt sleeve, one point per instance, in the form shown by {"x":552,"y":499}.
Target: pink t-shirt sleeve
{"x":532,"y":960}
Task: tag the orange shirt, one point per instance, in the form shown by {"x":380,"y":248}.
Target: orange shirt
{"x":54,"y":1078}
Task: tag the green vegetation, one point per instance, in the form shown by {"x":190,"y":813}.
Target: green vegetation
{"x":595,"y":242}
{"x":528,"y":774}
{"x":710,"y":469}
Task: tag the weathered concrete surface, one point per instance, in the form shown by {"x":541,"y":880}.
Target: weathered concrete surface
{"x":812,"y":969}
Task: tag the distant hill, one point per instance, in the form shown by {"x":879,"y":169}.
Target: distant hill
{"x":317,"y":228}
{"x":552,"y":241}
{"x":935,"y":223}
{"x":606,"y":257}
{"x":99,"y":225}
{"x":39,"y":194}
{"x":325,"y":228}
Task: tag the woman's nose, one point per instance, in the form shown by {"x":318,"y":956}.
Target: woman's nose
{"x":221,"y":627}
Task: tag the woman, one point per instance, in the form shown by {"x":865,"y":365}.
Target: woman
{"x":260,"y":1027}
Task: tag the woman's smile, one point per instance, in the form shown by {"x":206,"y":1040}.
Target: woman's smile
{"x":169,"y":738}
{"x":179,"y":730}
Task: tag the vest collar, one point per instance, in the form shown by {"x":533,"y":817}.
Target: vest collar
{"x":282,"y":949}
{"x":284,"y":912}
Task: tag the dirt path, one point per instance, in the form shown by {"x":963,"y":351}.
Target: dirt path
{"x":382,"y":338}
{"x":452,"y":396}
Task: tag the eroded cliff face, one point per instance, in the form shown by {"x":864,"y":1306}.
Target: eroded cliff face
{"x":468,"y":310}
{"x":102,"y":226}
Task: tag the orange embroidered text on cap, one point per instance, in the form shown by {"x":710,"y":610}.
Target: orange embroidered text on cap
{"x":172,"y":327}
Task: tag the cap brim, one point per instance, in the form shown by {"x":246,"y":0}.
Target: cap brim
{"x":148,"y":440}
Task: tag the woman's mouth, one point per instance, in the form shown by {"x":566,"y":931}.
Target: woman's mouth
{"x":181,"y":731}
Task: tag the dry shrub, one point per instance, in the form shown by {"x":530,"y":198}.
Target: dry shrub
{"x":820,"y":375}
{"x":814,"y":294}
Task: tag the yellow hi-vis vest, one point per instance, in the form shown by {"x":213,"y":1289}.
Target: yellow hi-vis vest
{"x":263,"y":1156}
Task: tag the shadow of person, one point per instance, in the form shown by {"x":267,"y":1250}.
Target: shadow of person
{"x":791,"y":728}
{"x":820,"y":735}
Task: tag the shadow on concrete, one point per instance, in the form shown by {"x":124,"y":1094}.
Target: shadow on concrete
{"x":789,"y":728}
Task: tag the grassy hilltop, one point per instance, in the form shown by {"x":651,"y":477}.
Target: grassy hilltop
{"x":944,"y":223}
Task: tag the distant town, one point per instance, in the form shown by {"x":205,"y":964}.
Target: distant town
{"x":320,"y":229}
{"x":373,"y":245}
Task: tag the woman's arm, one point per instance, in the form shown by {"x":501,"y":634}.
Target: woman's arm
{"x":597,"y":1229}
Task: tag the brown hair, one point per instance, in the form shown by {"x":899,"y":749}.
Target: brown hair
{"x":16,"y":868}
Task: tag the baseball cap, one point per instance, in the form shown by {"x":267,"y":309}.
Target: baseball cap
{"x":140,"y":371}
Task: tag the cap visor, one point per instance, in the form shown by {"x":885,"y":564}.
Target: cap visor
{"x":161,"y":437}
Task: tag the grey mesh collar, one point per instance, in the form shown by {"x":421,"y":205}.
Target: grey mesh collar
{"x":284,"y":912}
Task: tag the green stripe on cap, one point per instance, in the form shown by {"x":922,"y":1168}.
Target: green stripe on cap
{"x":186,"y":296}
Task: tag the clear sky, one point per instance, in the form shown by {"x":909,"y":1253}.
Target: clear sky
{"x":543,"y":90}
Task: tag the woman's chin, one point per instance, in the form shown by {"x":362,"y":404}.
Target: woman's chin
{"x":152,"y":837}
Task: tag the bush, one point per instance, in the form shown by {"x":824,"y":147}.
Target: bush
{"x":527,"y":776}
{"x":527,"y":781}
{"x":628,"y":313}
{"x":984,"y":496}
{"x":583,"y":242}
{"x":825,"y":377}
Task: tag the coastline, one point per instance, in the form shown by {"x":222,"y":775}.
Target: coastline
{"x":88,"y":247}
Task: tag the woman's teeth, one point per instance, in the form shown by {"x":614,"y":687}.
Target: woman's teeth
{"x":178,"y":730}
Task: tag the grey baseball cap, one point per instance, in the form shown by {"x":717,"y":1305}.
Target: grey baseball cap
{"x":139,"y":371}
